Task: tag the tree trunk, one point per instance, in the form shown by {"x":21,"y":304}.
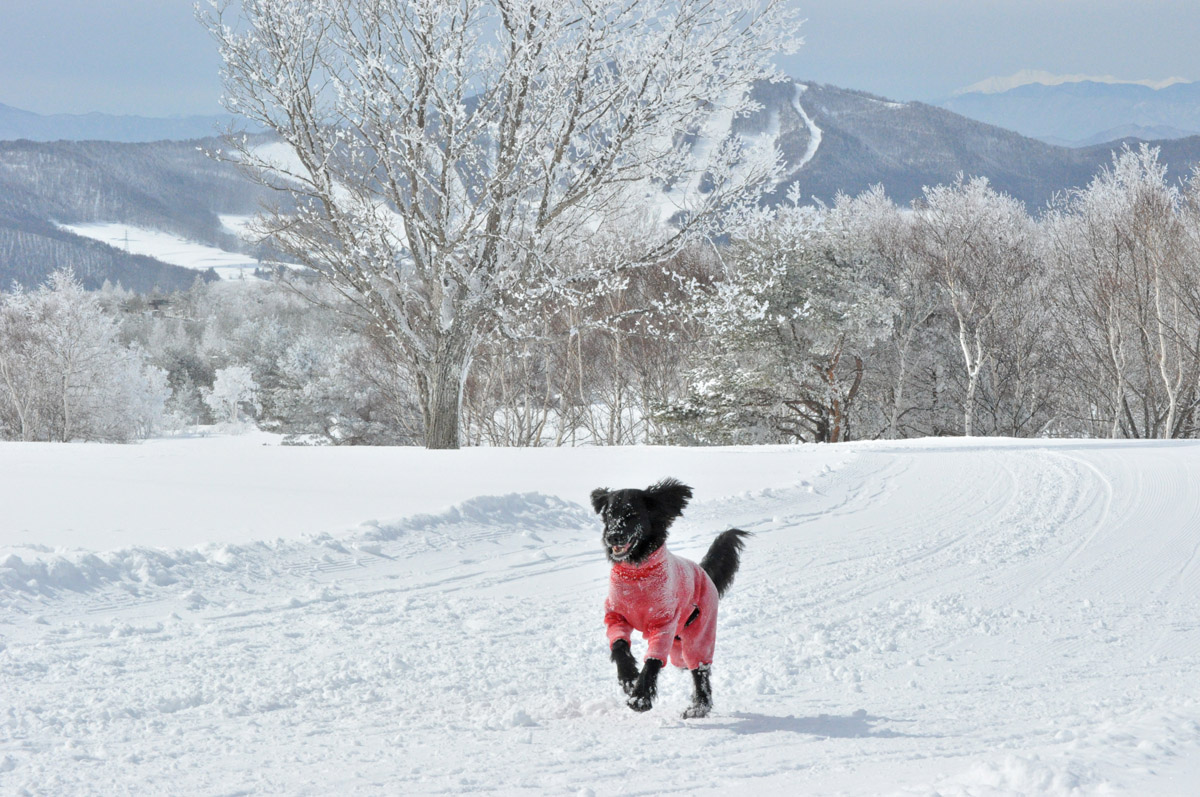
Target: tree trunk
{"x":898,"y":396}
{"x":18,"y":403}
{"x":443,"y":385}
{"x":969,"y":404}
{"x":973,"y":357}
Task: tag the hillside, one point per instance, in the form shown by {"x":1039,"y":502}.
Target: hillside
{"x":950,"y":617}
{"x":866,"y":140}
{"x":167,"y":186}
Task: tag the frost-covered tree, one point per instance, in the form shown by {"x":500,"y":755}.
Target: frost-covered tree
{"x":21,"y":364}
{"x":882,"y":237}
{"x":597,"y":367}
{"x":978,"y":245}
{"x":446,"y":156}
{"x":793,"y":320}
{"x":233,"y":387}
{"x":64,"y":373}
{"x":1127,"y":271}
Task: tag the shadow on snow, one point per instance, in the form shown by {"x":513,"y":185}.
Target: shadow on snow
{"x":854,"y":726}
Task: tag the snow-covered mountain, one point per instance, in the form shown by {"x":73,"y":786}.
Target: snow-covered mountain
{"x":927,"y":617}
{"x":838,"y":140}
{"x":832,"y":140}
{"x":1027,"y":77}
{"x":1081,"y":110}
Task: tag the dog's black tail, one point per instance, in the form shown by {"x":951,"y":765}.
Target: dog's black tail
{"x":723,"y":557}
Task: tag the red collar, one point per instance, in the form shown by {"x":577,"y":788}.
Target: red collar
{"x":628,"y":571}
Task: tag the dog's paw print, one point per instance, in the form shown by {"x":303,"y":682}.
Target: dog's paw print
{"x":629,"y":685}
{"x":696,"y":711}
{"x":639,"y":703}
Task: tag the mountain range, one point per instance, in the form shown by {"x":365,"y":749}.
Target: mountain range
{"x":18,"y":124}
{"x":863,"y":140}
{"x":1084,"y":112}
{"x":833,"y":140}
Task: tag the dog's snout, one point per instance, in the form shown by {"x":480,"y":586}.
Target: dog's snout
{"x":616,"y":535}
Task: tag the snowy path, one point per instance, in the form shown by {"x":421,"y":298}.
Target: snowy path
{"x":814,"y":132}
{"x":918,"y":618}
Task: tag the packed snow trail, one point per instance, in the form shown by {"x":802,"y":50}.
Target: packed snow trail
{"x":919,"y":618}
{"x":814,"y":132}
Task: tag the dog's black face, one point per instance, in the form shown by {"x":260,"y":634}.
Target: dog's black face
{"x":636,"y":521}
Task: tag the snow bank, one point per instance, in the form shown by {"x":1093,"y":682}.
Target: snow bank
{"x":43,"y":571}
{"x":182,"y":492}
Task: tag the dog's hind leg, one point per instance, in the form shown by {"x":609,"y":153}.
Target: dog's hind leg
{"x":701,"y":694}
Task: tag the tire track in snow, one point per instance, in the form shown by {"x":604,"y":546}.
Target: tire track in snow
{"x":1102,"y":522}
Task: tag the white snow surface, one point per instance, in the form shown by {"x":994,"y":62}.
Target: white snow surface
{"x":171,"y":248}
{"x":931,"y":617}
{"x":814,"y":132}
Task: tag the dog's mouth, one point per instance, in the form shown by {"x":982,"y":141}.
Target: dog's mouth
{"x":620,"y":551}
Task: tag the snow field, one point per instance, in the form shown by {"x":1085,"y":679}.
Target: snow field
{"x":170,"y":248}
{"x":929,"y":617}
{"x":185,"y":491}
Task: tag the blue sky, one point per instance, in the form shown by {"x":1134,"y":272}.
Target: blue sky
{"x":150,"y":57}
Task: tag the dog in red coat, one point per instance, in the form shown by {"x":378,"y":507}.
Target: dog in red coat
{"x":672,"y":601}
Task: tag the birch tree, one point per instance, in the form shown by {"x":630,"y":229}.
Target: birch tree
{"x":978,"y":245}
{"x":444,"y":155}
{"x":1127,"y":275}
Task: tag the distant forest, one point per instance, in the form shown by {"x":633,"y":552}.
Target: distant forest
{"x":957,"y":314}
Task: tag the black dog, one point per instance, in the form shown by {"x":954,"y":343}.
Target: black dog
{"x":671,"y":600}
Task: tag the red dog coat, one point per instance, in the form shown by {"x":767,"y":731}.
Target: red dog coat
{"x":659,"y":598}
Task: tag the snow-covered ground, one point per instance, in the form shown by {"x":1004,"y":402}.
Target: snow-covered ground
{"x":173,"y":249}
{"x":928,"y":617}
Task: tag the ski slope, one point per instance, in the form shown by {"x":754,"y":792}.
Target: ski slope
{"x":950,"y":617}
{"x":814,"y":132}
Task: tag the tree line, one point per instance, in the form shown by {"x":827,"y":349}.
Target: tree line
{"x":961,"y":313}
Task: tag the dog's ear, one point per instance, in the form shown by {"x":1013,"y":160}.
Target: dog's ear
{"x":599,"y":498}
{"x":668,"y":498}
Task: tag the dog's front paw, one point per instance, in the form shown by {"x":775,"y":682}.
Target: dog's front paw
{"x":641,"y":697}
{"x":627,"y":669}
{"x":696,"y":711}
